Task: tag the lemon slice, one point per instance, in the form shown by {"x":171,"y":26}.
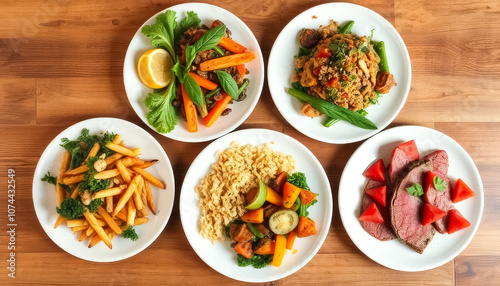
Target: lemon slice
{"x":155,"y":68}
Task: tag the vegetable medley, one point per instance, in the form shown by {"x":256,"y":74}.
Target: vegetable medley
{"x":102,"y":188}
{"x":276,"y":215}
{"x":209,"y":69}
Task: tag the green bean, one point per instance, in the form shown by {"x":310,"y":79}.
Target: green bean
{"x":380,"y":49}
{"x":346,"y":29}
{"x":330,"y":121}
{"x":254,"y":230}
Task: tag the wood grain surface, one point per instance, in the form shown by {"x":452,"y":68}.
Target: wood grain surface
{"x":61,"y":62}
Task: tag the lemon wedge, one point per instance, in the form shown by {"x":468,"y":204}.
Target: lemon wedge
{"x":155,"y":68}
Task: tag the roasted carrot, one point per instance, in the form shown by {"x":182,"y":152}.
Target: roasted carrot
{"x":279,"y":250}
{"x":266,"y":248}
{"x":241,"y":69}
{"x":190,"y":109}
{"x":290,"y":194}
{"x":306,"y":227}
{"x":306,"y":197}
{"x":273,"y":197}
{"x":227,"y":61}
{"x":203,"y":82}
{"x":291,"y":239}
{"x":232,"y":46}
{"x":244,"y":248}
{"x":217,"y":110}
{"x":254,"y":216}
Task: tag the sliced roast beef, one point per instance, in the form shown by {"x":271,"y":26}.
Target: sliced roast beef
{"x":441,"y":199}
{"x":406,"y":210}
{"x":381,"y":231}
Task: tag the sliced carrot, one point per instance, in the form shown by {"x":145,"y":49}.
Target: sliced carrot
{"x":290,"y":194}
{"x":191,"y":118}
{"x":306,"y":197}
{"x":217,"y":110}
{"x":279,"y":250}
{"x":306,"y":227}
{"x":231,"y":45}
{"x":254,"y":216}
{"x":241,"y":69}
{"x":227,"y":61}
{"x":273,"y":197}
{"x":291,"y":239}
{"x":203,"y":82}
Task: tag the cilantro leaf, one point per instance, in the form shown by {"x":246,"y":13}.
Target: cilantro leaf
{"x":130,"y":233}
{"x":439,"y":184}
{"x":415,"y":190}
{"x":49,"y":178}
{"x":162,"y":115}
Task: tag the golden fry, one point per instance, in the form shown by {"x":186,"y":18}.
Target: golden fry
{"x":92,"y":152}
{"x":109,"y":204}
{"x":59,"y":220}
{"x":83,"y":235}
{"x":110,"y":192}
{"x":72,"y":180}
{"x":107,"y":174}
{"x":80,"y":170}
{"x":79,"y":228}
{"x":149,"y":197}
{"x":127,"y":194}
{"x":117,"y":139}
{"x":131,"y":212}
{"x":90,"y":231}
{"x":131,"y":161}
{"x":123,"y":171}
{"x":109,"y":220}
{"x":98,"y":229}
{"x":147,"y":164}
{"x":137,"y":195}
{"x":149,"y":177}
{"x":83,"y":222}
{"x":64,"y":166}
{"x":137,"y":221}
{"x":122,"y":215}
{"x":113,"y":158}
{"x":124,"y":150}
{"x":95,"y":240}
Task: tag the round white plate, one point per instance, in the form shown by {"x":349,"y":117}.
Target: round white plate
{"x":394,"y":254}
{"x":281,"y":68}
{"x":137,"y":92}
{"x":44,"y":195}
{"x":220,"y":256}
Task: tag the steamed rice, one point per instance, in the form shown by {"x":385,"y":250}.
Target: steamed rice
{"x":221,"y":192}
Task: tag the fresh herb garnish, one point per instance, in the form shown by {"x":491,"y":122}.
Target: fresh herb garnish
{"x":333,"y":110}
{"x":66,"y":188}
{"x":193,"y":90}
{"x":49,"y":178}
{"x":108,"y":137}
{"x":296,"y":85}
{"x":303,"y":208}
{"x":130,"y":233}
{"x":161,"y":33}
{"x":92,"y":184}
{"x":94,"y":204}
{"x":228,"y":83}
{"x":415,"y":190}
{"x":71,"y":208}
{"x":304,"y":52}
{"x":90,"y":164}
{"x":298,"y":179}
{"x":439,"y":184}
{"x":79,"y":153}
{"x":162,"y":115}
{"x":257,"y":261}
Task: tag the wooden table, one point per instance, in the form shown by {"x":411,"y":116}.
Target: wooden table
{"x":61,"y":62}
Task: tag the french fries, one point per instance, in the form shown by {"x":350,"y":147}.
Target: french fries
{"x":126,"y":198}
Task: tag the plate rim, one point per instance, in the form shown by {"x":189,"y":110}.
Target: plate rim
{"x":251,"y":105}
{"x":369,"y":133}
{"x":328,"y":200}
{"x":453,"y":254}
{"x":169,"y":174}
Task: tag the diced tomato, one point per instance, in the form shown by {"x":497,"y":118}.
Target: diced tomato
{"x":376,"y":171}
{"x":461,"y":192}
{"x":456,"y":221}
{"x":344,"y":95}
{"x":316,"y":70}
{"x":216,"y":23}
{"x":332,"y":82}
{"x":323,"y":53}
{"x":378,"y":194}
{"x":372,"y":214}
{"x":429,"y":184}
{"x":432,"y":214}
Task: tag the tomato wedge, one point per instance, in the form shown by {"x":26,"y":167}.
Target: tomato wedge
{"x":432,"y":214}
{"x":378,"y":194}
{"x":376,"y":171}
{"x":461,"y":192}
{"x":372,"y":214}
{"x":456,"y":221}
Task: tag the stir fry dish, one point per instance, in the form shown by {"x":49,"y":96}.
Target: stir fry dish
{"x":196,"y":71}
{"x":103,"y":188}
{"x":340,"y":74}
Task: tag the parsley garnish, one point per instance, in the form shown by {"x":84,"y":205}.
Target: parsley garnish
{"x":130,"y":233}
{"x":439,"y":184}
{"x":49,"y":178}
{"x":415,"y":190}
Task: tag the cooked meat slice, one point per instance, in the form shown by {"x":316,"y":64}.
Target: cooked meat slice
{"x":385,"y":81}
{"x":406,"y":210}
{"x":309,"y":111}
{"x":270,"y":209}
{"x":263,"y":229}
{"x":381,"y":231}
{"x":308,"y":38}
{"x":441,"y":199}
{"x":240,"y":232}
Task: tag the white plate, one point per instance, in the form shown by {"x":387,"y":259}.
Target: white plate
{"x":137,"y":92}
{"x":281,"y":68}
{"x":44,"y":195}
{"x":220,"y":256}
{"x":394,"y":254}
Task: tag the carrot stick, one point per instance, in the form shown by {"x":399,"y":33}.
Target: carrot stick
{"x":227,"y":61}
{"x":279,"y":250}
{"x":190,"y":109}
{"x":232,"y":46}
{"x":291,"y":239}
{"x":241,"y":70}
{"x":217,"y":110}
{"x":203,"y":82}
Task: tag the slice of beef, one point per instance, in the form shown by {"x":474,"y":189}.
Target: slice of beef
{"x":240,"y":232}
{"x":262,"y":228}
{"x":401,"y":156}
{"x":441,"y":199}
{"x":406,"y":210}
{"x":381,"y":231}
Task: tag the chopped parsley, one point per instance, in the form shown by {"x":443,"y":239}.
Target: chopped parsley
{"x":65,"y":187}
{"x":130,"y":233}
{"x":298,"y":179}
{"x":49,"y":178}
{"x":71,"y":208}
{"x":257,"y":261}
{"x":93,"y":185}
{"x":94,"y":204}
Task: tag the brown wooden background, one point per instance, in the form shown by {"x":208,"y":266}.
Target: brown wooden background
{"x":61,"y":62}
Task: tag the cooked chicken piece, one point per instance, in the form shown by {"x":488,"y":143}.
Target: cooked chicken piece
{"x":309,"y":111}
{"x":308,"y":38}
{"x":385,"y":81}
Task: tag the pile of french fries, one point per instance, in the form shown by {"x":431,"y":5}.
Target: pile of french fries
{"x":125,"y":201}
